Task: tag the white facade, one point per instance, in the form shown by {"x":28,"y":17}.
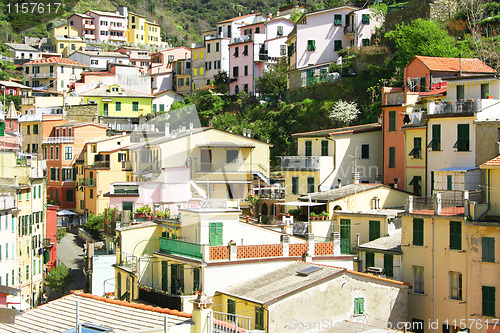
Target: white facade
{"x":99,"y":60}
{"x":8,"y":240}
{"x":163,"y":100}
{"x":23,"y":51}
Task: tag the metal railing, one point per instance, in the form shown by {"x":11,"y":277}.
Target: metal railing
{"x":235,"y":166}
{"x":457,"y":106}
{"x":300,"y":162}
{"x":42,"y":75}
{"x":226,"y":322}
{"x":59,"y":139}
{"x":128,"y":260}
{"x":100,"y":164}
{"x":174,"y":246}
{"x":30,"y":117}
{"x":48,"y":242}
{"x":86,"y":182}
{"x":7,"y":202}
{"x":349,"y":29}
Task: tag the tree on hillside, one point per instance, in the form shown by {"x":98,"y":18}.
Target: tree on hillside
{"x":273,"y":82}
{"x":59,"y":278}
{"x":344,"y":113}
{"x":221,"y":82}
{"x":421,"y":37}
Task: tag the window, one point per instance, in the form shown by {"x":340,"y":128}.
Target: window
{"x":416,"y":152}
{"x":69,"y":195}
{"x":279,"y":31}
{"x":57,"y":153}
{"x":392,"y":121}
{"x":449,"y":182}
{"x":456,"y":285}
{"x":311,"y":45}
{"x":91,"y":194}
{"x":389,"y":265}
{"x":257,"y":30}
{"x":135,"y":106}
{"x":295,"y":185}
{"x":28,"y":130}
{"x":370,"y":259}
{"x":208,"y":48}
{"x":365,"y":19}
{"x":374,"y":230}
{"x":462,"y":143}
{"x":365,"y":151}
{"x":283,"y":50}
{"x":245,"y":50}
{"x":337,"y":20}
{"x":488,"y":249}
{"x":310,"y":184}
{"x":35,"y":129}
{"x":246,"y":70}
{"x":259,"y":318}
{"x":435,"y":143}
{"x":68,"y":153}
{"x":162,"y":107}
{"x":392,"y":157}
{"x":418,"y":232}
{"x":217,"y":47}
{"x":118,"y":106}
{"x":236,"y":52}
{"x":215,"y":233}
{"x":460,"y":92}
{"x":308,"y":148}
{"x":231,"y":309}
{"x":455,"y":235}
{"x":488,"y":301}
{"x":418,"y":279}
{"x":485,"y":90}
{"x":324,"y":148}
{"x":337,"y":45}
{"x":231,"y":156}
{"x":228,"y":31}
{"x":235,"y":71}
{"x":365,"y":42}
{"x":359,"y":306}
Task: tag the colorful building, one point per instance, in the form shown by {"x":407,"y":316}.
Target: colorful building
{"x":65,"y":40}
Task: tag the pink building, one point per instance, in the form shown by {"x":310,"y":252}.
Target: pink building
{"x":100,"y":26}
{"x":241,"y":69}
{"x":137,"y":57}
{"x":162,"y":61}
{"x":50,"y":241}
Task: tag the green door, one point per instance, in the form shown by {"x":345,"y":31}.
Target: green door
{"x":215,"y":234}
{"x":128,"y":205}
{"x":105,"y":109}
{"x":164,"y":276}
{"x":374,"y":230}
{"x":177,"y":279}
{"x":345,"y":236}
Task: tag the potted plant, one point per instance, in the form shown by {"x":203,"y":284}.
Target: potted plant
{"x":488,"y":96}
{"x":325,"y":215}
{"x":437,"y":101}
{"x":313,"y":216}
{"x":470,"y":100}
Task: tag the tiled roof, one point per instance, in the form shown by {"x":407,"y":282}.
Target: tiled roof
{"x":340,"y":192}
{"x":493,"y":162}
{"x":385,"y":243}
{"x":104,"y":92}
{"x":56,"y":60}
{"x":21,"y":47}
{"x":339,"y":131}
{"x":101,"y":13}
{"x":102,"y":54}
{"x":468,"y":65}
{"x":238,"y":17}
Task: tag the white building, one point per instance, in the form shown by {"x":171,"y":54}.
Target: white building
{"x":99,"y":60}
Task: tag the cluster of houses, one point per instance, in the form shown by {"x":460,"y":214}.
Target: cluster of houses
{"x":388,"y":226}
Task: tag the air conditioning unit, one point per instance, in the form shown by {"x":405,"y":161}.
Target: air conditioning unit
{"x":375,"y":270}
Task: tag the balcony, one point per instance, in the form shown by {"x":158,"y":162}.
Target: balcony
{"x":7,"y":202}
{"x":118,"y":38}
{"x":30,"y":117}
{"x":300,"y":163}
{"x":454,"y":107}
{"x":414,"y":118}
{"x":177,"y":247}
{"x":28,"y":100}
{"x":89,"y":36}
{"x":59,"y":139}
{"x":129,"y":261}
{"x":141,"y":57}
{"x":485,"y":212}
{"x":86,"y":182}
{"x":126,"y":166}
{"x":349,"y":30}
{"x":48,"y":242}
{"x":126,"y":189}
{"x":394,"y":98}
{"x":89,"y":26}
{"x":117,"y":28}
{"x":42,"y":75}
{"x":100,"y":165}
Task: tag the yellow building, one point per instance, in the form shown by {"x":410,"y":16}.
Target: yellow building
{"x":153,"y":33}
{"x":182,"y":77}
{"x":142,"y":31}
{"x":415,"y":158}
{"x":450,"y":257}
{"x":65,"y":40}
{"x":102,"y":165}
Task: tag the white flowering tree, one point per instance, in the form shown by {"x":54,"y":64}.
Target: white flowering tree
{"x":344,"y":113}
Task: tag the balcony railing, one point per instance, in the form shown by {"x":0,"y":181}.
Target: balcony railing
{"x":126,"y":166}
{"x":300,"y":163}
{"x":455,"y":106}
{"x":227,"y":322}
{"x":42,"y":75}
{"x":174,"y":246}
{"x":48,"y":242}
{"x":7,"y":202}
{"x":237,"y":166}
{"x":100,"y":164}
{"x":86,"y":182}
{"x":30,"y":117}
{"x":349,"y":29}
{"x":28,"y":100}
{"x":59,"y":139}
{"x":128,"y":260}
{"x":132,"y":189}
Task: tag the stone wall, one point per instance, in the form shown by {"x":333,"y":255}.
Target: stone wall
{"x":85,"y":112}
{"x":442,"y":10}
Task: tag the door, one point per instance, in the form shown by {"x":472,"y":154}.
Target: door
{"x":345,"y":236}
{"x":206,"y":160}
{"x":374,"y":230}
{"x":176,"y":279}
{"x":215,"y":234}
{"x":105,"y":109}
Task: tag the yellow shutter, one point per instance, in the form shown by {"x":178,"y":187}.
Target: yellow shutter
{"x":195,"y":55}
{"x":201,"y":54}
{"x":201,"y":70}
{"x":195,"y":71}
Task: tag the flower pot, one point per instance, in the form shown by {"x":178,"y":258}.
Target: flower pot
{"x":489,"y":97}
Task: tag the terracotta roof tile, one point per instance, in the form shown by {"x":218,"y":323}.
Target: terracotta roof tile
{"x":56,"y":60}
{"x":238,"y":17}
{"x":493,"y":162}
{"x":469,"y":65}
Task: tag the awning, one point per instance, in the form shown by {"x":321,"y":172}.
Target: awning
{"x":225,"y":145}
{"x":17,"y":303}
{"x":299,"y":203}
{"x":65,"y":213}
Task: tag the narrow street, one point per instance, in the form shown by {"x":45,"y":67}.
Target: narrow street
{"x":70,"y":253}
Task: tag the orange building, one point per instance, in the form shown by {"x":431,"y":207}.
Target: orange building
{"x":60,"y":150}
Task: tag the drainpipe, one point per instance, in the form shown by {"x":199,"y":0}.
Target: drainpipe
{"x":432,"y":272}
{"x":488,"y":196}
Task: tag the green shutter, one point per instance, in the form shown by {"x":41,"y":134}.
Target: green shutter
{"x":259,"y":318}
{"x":345,"y":236}
{"x":365,"y":151}
{"x":215,"y":233}
{"x":310,"y":184}
{"x":231,"y":309}
{"x":196,"y":279}
{"x":337,"y":20}
{"x":389,"y":265}
{"x":488,"y":301}
{"x":324,"y":148}
{"x":488,"y":249}
{"x":308,"y":148}
{"x":295,"y":185}
{"x":436,"y":137}
{"x":359,"y":306}
{"x":449,"y":182}
{"x":374,"y":230}
{"x":392,"y":157}
{"x":462,"y":143}
{"x":164,"y":276}
{"x":418,"y":232}
{"x":392,"y":120}
{"x":370,"y":259}
{"x":2,"y":129}
{"x":455,"y":235}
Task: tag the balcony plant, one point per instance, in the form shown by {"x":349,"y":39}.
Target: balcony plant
{"x":163,"y":214}
{"x":470,"y":100}
{"x":437,"y":101}
{"x":313,"y":216}
{"x":324,"y":214}
{"x":143,"y":211}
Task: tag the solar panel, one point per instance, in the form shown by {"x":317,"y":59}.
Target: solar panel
{"x":309,"y":270}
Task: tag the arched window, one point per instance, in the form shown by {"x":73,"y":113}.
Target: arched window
{"x":236,"y":90}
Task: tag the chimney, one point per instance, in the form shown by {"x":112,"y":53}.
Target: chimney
{"x":336,"y":243}
{"x":245,"y":132}
{"x":396,"y":180}
{"x":202,"y":314}
{"x":437,"y":204}
{"x":249,"y":133}
{"x":124,"y":132}
{"x":191,"y":126}
{"x":167,"y":129}
{"x":339,"y":182}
